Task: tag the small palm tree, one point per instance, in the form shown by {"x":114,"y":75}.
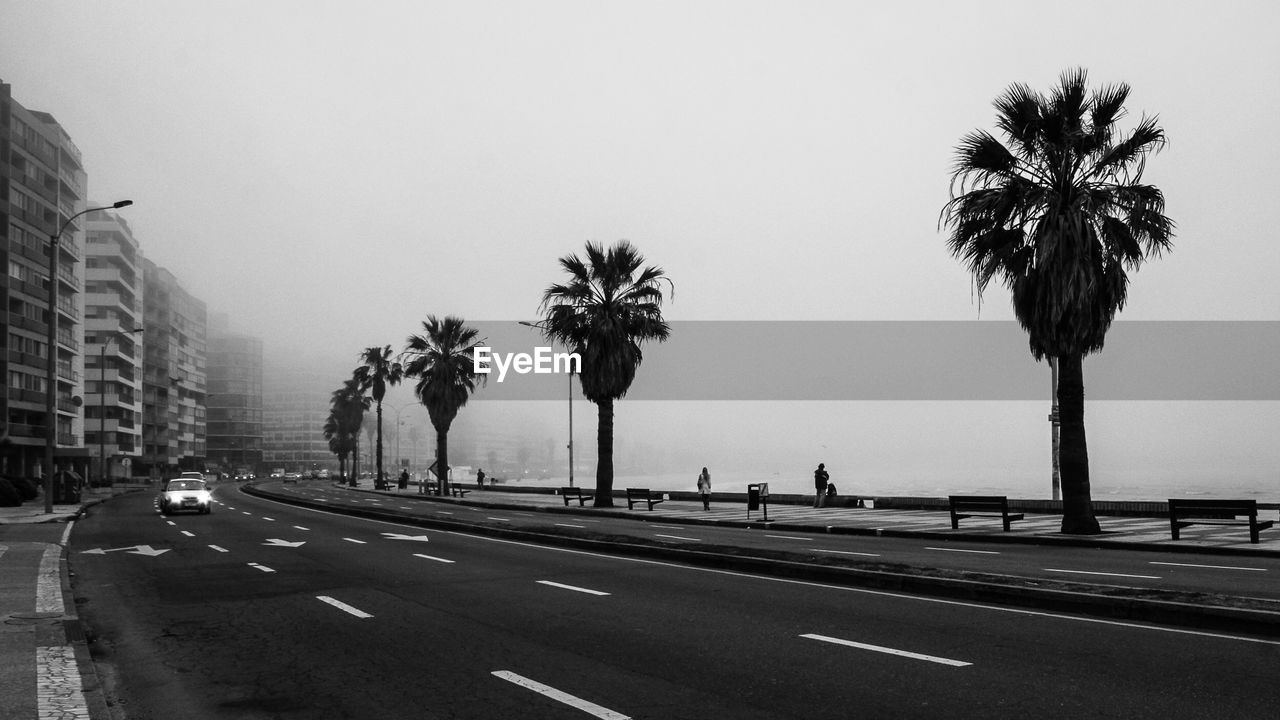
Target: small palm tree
{"x":606,"y":310}
{"x":442,"y":358}
{"x":1060,"y":216}
{"x":376,"y":372}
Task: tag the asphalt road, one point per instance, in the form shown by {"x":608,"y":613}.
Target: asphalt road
{"x":228,"y":616}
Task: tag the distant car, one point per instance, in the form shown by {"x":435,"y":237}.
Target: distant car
{"x":292,"y":477}
{"x":186,"y":494}
{"x":277,"y":473}
{"x":190,"y":475}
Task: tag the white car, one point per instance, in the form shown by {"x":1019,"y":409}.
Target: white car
{"x":186,"y":494}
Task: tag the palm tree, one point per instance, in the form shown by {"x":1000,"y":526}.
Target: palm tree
{"x":376,"y":372}
{"x":339,"y":441}
{"x":608,"y":307}
{"x":442,"y":359}
{"x":347,"y":407}
{"x":1059,"y":216}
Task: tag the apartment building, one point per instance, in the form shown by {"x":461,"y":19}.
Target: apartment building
{"x":174,"y":376}
{"x":234,"y":417}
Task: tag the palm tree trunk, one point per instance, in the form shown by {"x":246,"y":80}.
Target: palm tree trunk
{"x":1077,"y":503}
{"x":377,"y":481}
{"x":442,"y":461}
{"x":355,"y":462}
{"x":604,"y":451}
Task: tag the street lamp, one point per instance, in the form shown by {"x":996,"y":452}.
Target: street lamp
{"x":51,"y":379}
{"x":102,"y":401}
{"x":540,"y":326}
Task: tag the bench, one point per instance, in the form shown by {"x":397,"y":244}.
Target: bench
{"x":574,"y":493}
{"x":642,"y":495}
{"x":457,"y":491}
{"x":1216,"y":512}
{"x":966,"y":506}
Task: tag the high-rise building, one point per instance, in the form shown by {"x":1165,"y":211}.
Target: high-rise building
{"x":295,"y":406}
{"x":113,"y":350}
{"x":174,"y":375}
{"x":42,"y":186}
{"x":234,"y":400}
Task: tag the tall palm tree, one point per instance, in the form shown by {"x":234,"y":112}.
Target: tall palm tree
{"x":376,"y":372}
{"x":1059,"y":216}
{"x":442,"y":358}
{"x":606,"y":309}
{"x":347,"y":406}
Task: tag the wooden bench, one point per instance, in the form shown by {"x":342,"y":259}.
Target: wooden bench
{"x":966,"y":506}
{"x":642,"y":495}
{"x":1216,"y":512}
{"x":574,"y":493}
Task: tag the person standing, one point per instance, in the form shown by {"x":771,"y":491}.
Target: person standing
{"x":704,"y":488}
{"x":480,"y":478}
{"x":820,"y":479}
{"x":404,"y":478}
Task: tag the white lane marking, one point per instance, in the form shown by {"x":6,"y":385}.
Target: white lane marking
{"x":572,"y":701}
{"x":264,"y":517}
{"x":499,"y":519}
{"x":890,"y":651}
{"x":560,"y":696}
{"x":245,"y":512}
{"x":1106,"y":574}
{"x":571,"y":587}
{"x":343,"y":606}
{"x":848,"y":552}
{"x":788,"y":537}
{"x":219,"y":549}
{"x":880,"y":593}
{"x":299,"y":527}
{"x":1212,"y":567}
{"x":429,"y":557}
{"x":977,"y":552}
{"x":671,"y":527}
{"x":263,"y":568}
{"x":443,"y":512}
{"x":172,"y":523}
{"x":277,"y":542}
{"x":569,"y":525}
{"x":188,"y":534}
{"x":353,"y":540}
{"x":66,"y":533}
{"x":677,"y":537}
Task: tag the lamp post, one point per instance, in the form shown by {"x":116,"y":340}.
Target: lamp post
{"x":398,"y":411}
{"x":102,"y":401}
{"x":51,"y":379}
{"x":1056,"y":424}
{"x":540,"y":326}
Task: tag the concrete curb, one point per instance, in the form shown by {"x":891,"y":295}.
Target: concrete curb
{"x":1152,"y":606}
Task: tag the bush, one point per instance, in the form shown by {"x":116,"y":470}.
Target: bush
{"x":28,"y":488}
{"x":9,"y":496}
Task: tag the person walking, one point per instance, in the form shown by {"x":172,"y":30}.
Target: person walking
{"x":820,"y":480}
{"x":704,"y":488}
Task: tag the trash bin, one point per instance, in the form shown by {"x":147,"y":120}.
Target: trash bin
{"x":66,"y":488}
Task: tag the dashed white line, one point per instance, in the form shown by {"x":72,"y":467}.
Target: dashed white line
{"x":188,"y":533}
{"x":677,"y":537}
{"x":1212,"y":567}
{"x":1107,"y":574}
{"x":977,"y":552}
{"x":219,"y":549}
{"x":431,"y":557}
{"x":848,"y":552}
{"x":569,"y":525}
{"x":890,"y":651}
{"x":499,"y":519}
{"x":572,"y":587}
{"x":264,"y":517}
{"x":353,"y":540}
{"x":343,"y":606}
{"x":299,"y":527}
{"x":588,"y":707}
{"x":788,"y":537}
{"x":171,"y":523}
{"x":263,"y":568}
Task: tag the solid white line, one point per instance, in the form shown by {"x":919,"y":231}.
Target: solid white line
{"x":571,"y":587}
{"x":219,"y":549}
{"x":677,"y":537}
{"x":1087,"y":572}
{"x":671,"y":527}
{"x":569,"y":525}
{"x":576,"y":702}
{"x":847,"y":552}
{"x":263,"y":568}
{"x":979,"y":552}
{"x":66,"y":533}
{"x":788,"y":537}
{"x":188,"y":534}
{"x":353,"y":540}
{"x":343,"y":606}
{"x":429,"y":557}
{"x":890,"y":651}
{"x":1213,"y":567}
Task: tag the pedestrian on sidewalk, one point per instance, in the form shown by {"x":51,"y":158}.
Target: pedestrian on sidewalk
{"x":704,"y":488}
{"x":404,"y":478}
{"x":820,"y":480}
{"x":480,"y":478}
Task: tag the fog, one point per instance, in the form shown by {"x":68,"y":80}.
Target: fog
{"x":329,"y":174}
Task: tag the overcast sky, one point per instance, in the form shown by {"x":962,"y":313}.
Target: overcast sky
{"x":329,"y":173}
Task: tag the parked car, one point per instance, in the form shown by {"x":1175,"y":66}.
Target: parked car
{"x":186,"y":494}
{"x":292,"y":477}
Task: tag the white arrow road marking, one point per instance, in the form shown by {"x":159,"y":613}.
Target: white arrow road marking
{"x":576,"y":702}
{"x":1087,"y":572}
{"x":428,"y":557}
{"x":263,"y":568}
{"x":343,"y":606}
{"x":401,"y":536}
{"x":277,"y":542}
{"x":132,"y":549}
{"x":571,"y":587}
{"x":890,"y":651}
{"x":353,"y":540}
{"x":219,"y":549}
